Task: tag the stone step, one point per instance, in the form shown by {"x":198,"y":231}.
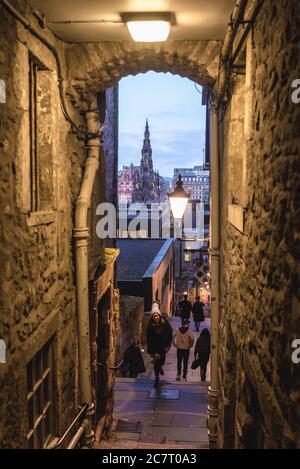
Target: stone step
{"x":148,"y":381}
{"x":129,"y":444}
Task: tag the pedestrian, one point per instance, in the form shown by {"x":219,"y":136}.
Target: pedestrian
{"x":207,"y":309}
{"x":185,"y":308}
{"x":202,"y":352}
{"x":198,"y":313}
{"x":159,"y":340}
{"x":183,"y":340}
{"x":133,"y":359}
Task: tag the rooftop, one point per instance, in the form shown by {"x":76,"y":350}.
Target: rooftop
{"x":136,"y":257}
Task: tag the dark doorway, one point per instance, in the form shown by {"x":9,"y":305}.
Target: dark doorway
{"x":103,"y":348}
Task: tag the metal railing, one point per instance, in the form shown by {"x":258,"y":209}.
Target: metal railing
{"x":115,"y":368}
{"x":79,"y":419}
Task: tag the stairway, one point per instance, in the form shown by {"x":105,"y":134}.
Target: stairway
{"x":175,"y":416}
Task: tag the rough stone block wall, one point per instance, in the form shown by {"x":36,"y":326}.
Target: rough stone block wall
{"x":114,"y":334}
{"x":37,"y":297}
{"x":104,"y":329}
{"x":131,"y":320}
{"x":110,"y":150}
{"x":94,"y":67}
{"x":110,"y":144}
{"x":260,"y":267}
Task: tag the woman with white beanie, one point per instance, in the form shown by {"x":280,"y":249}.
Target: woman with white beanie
{"x":159,"y":339}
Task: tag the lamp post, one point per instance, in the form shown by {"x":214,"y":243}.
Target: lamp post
{"x":178,"y":201}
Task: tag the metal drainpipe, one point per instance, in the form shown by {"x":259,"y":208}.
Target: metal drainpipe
{"x":81,"y":234}
{"x":213,"y":409}
{"x":237,"y":17}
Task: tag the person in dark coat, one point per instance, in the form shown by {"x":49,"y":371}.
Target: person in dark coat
{"x":183,"y":340}
{"x":185,"y":308}
{"x":159,"y":339}
{"x":133,"y":359}
{"x":202,"y":352}
{"x":198,"y":314}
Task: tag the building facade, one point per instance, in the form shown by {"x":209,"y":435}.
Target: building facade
{"x":195,"y":181}
{"x":44,"y":161}
{"x":143,"y":221}
{"x":142,"y":183}
{"x":127,"y":181}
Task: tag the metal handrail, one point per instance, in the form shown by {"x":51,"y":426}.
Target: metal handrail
{"x":117,"y":366}
{"x":79,"y":418}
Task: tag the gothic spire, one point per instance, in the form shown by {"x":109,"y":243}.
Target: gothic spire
{"x":148,"y":180}
{"x":147,"y":150}
{"x":147,"y":133}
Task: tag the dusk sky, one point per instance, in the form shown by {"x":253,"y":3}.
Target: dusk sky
{"x":176,"y":121}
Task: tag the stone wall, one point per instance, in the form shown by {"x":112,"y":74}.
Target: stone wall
{"x":260,"y":315}
{"x":110,"y":149}
{"x":110,"y":144}
{"x":131,"y":321}
{"x":106,"y":183}
{"x":37,"y":297}
{"x":94,"y":67}
{"x":104,"y":331}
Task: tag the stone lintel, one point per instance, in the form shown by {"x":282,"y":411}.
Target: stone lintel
{"x":40,"y":218}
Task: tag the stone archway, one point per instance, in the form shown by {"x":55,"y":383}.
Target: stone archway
{"x":93,"y":67}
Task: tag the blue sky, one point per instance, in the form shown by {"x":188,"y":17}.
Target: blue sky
{"x":176,"y":120}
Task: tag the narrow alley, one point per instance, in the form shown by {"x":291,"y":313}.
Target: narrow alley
{"x":174,"y":416}
{"x":149,"y":157}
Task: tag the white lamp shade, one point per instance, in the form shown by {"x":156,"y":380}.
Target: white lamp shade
{"x":149,"y":31}
{"x":178,"y":206}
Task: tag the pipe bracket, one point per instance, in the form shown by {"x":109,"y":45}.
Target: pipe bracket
{"x":81,"y":233}
{"x":214,"y":252}
{"x":83,"y":200}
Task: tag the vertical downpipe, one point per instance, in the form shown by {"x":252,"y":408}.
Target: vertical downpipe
{"x":213,"y":409}
{"x":81,"y":235}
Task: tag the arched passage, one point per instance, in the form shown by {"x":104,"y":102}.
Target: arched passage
{"x":92,"y":68}
{"x":95,"y":67}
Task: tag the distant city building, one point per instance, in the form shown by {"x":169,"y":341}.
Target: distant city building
{"x":142,"y":183}
{"x":195,"y":181}
{"x":150,"y":220}
{"x":164,"y":187}
{"x":148,"y":185}
{"x":127,"y":179}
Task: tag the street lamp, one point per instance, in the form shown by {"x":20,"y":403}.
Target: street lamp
{"x":178,"y":201}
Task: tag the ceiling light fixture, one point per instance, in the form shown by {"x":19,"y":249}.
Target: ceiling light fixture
{"x":149,"y":26}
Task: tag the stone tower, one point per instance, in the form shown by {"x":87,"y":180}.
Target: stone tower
{"x":147,"y":187}
{"x":146,"y":160}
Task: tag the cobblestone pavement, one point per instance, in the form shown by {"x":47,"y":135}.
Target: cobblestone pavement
{"x":175,"y":416}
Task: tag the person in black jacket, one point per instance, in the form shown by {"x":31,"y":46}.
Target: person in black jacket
{"x":185,"y":308}
{"x":202,"y":352}
{"x":198,"y":314}
{"x":159,"y":339}
{"x":133,"y":359}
